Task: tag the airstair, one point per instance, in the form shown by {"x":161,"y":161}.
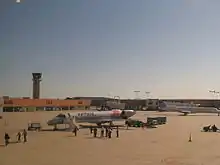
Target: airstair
{"x":72,"y":123}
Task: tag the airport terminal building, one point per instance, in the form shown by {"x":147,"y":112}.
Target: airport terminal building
{"x":9,"y":104}
{"x":28,"y":104}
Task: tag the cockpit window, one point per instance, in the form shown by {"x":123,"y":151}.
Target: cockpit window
{"x":61,"y":115}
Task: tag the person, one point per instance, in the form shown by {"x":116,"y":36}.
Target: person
{"x":117,"y":133}
{"x":102,"y":132}
{"x":142,"y":125}
{"x":214,"y":128}
{"x":75,"y":131}
{"x":110,"y":133}
{"x":106,"y":131}
{"x":19,"y":137}
{"x":207,"y":128}
{"x":24,"y":135}
{"x":91,"y":130}
{"x":95,"y":132}
{"x":6,"y":137}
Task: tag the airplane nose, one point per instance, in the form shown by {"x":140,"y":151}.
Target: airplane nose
{"x":131,"y":112}
{"x":50,"y":122}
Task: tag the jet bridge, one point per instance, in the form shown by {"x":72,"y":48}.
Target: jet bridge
{"x":109,"y":105}
{"x":115,"y":105}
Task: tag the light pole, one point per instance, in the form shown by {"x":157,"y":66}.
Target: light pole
{"x":215,"y":93}
{"x":147,"y":99}
{"x":147,"y":94}
{"x":137,"y":94}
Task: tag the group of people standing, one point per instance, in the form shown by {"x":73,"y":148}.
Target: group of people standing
{"x":209,"y":128}
{"x":19,"y":136}
{"x":104,"y":132}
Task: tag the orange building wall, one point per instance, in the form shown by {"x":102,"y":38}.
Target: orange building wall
{"x":45,"y":102}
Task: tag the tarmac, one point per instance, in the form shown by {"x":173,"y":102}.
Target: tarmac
{"x":167,"y":144}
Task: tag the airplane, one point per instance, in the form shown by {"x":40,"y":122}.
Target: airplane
{"x":97,"y":117}
{"x":186,"y":108}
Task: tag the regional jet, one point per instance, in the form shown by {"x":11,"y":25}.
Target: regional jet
{"x":186,"y":108}
{"x":97,"y":117}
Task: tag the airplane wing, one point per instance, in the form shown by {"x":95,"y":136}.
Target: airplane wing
{"x":103,"y":120}
{"x":185,"y":111}
{"x":108,"y":120}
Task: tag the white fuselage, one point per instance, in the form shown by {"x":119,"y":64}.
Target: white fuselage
{"x":186,"y":108}
{"x":92,"y":117}
{"x":95,"y":116}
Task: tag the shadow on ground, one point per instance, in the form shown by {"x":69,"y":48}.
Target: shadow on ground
{"x":58,"y":130}
{"x":95,"y":138}
{"x":12,"y":142}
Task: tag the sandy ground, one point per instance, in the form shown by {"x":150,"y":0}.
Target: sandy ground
{"x":167,"y":144}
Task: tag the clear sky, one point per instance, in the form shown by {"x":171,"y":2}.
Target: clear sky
{"x":110,"y":47}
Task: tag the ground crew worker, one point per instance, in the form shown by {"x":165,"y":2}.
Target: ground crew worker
{"x":117,"y":132}
{"x":75,"y":131}
{"x":24,"y":135}
{"x":106,"y":131}
{"x":214,"y":128}
{"x":95,"y":132}
{"x":142,"y":125}
{"x":91,"y":130}
{"x":109,"y":133}
{"x":7,"y":137}
{"x":19,"y":136}
{"x":102,"y":132}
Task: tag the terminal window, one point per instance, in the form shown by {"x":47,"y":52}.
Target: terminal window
{"x":8,"y":102}
{"x":49,"y":102}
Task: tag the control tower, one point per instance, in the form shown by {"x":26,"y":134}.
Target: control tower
{"x":36,"y":85}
